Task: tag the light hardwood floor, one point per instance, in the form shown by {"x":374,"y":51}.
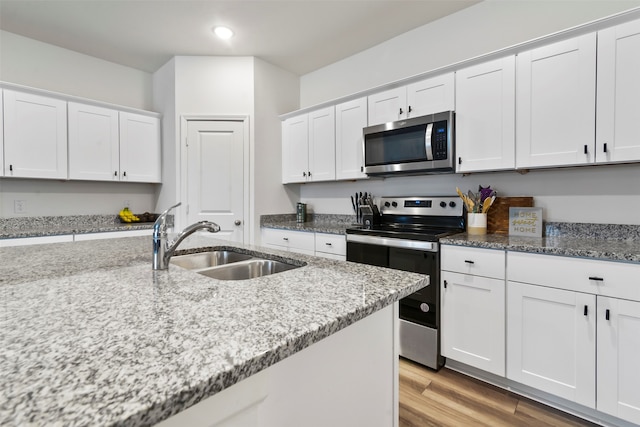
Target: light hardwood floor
{"x":448,"y":398}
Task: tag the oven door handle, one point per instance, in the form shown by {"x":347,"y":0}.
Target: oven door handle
{"x":394,"y":243}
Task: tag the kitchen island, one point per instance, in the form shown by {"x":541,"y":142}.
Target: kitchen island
{"x":90,"y":335}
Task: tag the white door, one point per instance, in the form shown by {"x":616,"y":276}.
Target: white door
{"x":35,"y":136}
{"x":551,"y":341}
{"x":322,"y":145}
{"x":387,"y":106}
{"x":351,"y":118}
{"x":556,"y":104}
{"x":431,"y":96}
{"x":295,"y":149}
{"x":473,"y":319}
{"x":94,"y":152}
{"x":485,"y":116}
{"x":617,"y":130}
{"x":618,"y":356}
{"x":215,"y":175}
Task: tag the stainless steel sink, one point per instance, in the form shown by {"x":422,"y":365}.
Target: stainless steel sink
{"x":202,"y":260}
{"x":230,"y":265}
{"x":247,"y":269}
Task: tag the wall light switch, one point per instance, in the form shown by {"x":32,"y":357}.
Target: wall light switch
{"x":20,"y":206}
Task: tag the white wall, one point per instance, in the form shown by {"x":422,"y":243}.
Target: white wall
{"x":482,"y":28}
{"x":40,"y":65}
{"x":276,"y":92}
{"x":602,"y":194}
{"x":33,"y":63}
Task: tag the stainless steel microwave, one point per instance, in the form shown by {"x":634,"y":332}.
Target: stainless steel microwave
{"x":419,"y":145}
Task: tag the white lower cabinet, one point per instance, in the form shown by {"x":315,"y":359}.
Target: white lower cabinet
{"x":472,"y":310}
{"x":332,"y":246}
{"x":619,"y":358}
{"x":551,"y":341}
{"x":287,"y":240}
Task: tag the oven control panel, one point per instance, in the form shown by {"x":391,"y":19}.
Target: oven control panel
{"x":422,"y":206}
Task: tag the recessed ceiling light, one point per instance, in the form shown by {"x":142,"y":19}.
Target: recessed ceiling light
{"x":223,"y":32}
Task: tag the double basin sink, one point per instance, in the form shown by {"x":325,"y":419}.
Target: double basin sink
{"x":230,"y":265}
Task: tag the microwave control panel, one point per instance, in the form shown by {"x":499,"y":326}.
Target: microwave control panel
{"x":439,"y":140}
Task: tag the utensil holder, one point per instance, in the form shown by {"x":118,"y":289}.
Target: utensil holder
{"x":477,"y":223}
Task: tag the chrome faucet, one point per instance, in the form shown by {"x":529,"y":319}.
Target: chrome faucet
{"x":162,"y":249}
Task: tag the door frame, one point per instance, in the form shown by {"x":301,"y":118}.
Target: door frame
{"x":181,"y":214}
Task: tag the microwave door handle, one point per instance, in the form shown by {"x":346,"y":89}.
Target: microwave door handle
{"x":427,"y":142}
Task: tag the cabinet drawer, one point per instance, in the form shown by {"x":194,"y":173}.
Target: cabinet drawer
{"x":335,"y":244}
{"x":288,"y":239}
{"x":479,"y":262}
{"x":606,"y":278}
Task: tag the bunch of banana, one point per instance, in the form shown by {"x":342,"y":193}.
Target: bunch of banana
{"x":127,"y":216}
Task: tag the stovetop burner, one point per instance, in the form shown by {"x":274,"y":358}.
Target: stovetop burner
{"x":416,"y":218}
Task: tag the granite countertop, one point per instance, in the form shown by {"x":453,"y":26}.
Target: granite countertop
{"x":90,"y":335}
{"x":19,"y":227}
{"x":315,"y":223}
{"x":574,"y":246}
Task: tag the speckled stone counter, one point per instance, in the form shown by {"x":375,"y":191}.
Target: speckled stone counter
{"x":600,"y":241}
{"x":316,"y":223}
{"x":40,"y":226}
{"x":90,"y":335}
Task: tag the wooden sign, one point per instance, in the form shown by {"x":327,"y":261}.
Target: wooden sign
{"x":525,"y":222}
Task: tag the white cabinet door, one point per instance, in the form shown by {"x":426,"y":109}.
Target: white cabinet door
{"x":618,"y":109}
{"x":140,"y":149}
{"x":35,"y":136}
{"x":322,"y":145}
{"x":485,"y":116}
{"x":94,"y":152}
{"x":473,"y":321}
{"x":555,"y":104}
{"x":387,"y":106}
{"x":1,"y":136}
{"x":295,"y":149}
{"x":619,"y":358}
{"x":295,"y":241}
{"x":351,"y":118}
{"x":551,"y":341}
{"x":431,"y":96}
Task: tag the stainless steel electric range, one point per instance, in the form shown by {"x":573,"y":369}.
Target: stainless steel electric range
{"x":405,"y":236}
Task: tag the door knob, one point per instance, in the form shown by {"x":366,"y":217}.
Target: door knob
{"x":237,"y":222}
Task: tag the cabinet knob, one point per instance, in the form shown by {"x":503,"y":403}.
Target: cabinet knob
{"x":585,"y":149}
{"x":459,"y":160}
{"x":606,"y":314}
{"x":605,"y":147}
{"x":124,"y":173}
{"x":328,"y":244}
{"x":115,"y":173}
{"x":285,"y":239}
{"x":11,"y":168}
{"x":409,"y":109}
{"x":401,"y":110}
{"x":445,"y":283}
{"x":586,"y":310}
{"x":237,"y":222}
{"x":309,"y":173}
{"x":468,"y":261}
{"x":304,"y":174}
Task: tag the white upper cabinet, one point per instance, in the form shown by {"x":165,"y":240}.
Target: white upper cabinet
{"x":555,"y":104}
{"x":485,"y":116}
{"x":351,"y":118}
{"x":295,"y":149}
{"x":94,"y":152}
{"x":308,"y":147}
{"x":428,"y":96}
{"x":35,"y":136}
{"x":140,"y":150}
{"x":618,"y":105}
{"x":322,"y":145}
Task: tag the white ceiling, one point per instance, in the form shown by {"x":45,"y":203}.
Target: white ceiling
{"x":297,"y":35}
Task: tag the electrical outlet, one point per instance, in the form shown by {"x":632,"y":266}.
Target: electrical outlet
{"x":20,"y":206}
